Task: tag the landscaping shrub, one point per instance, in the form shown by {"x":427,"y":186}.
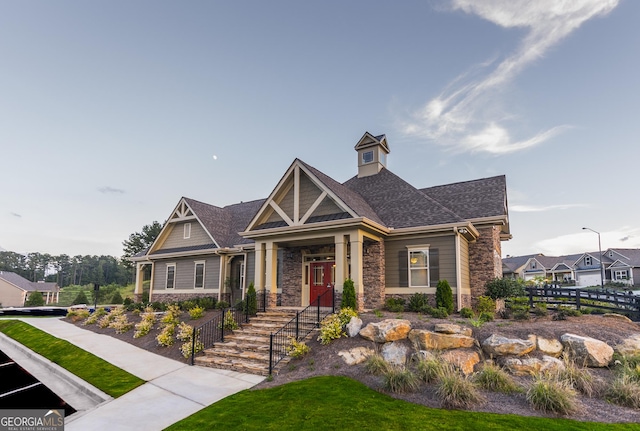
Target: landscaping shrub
{"x":165,"y":337}
{"x":466,"y":312}
{"x":579,"y":378}
{"x":297,"y":349}
{"x":486,"y":304}
{"x":375,"y":364}
{"x":81,"y":298}
{"x":501,"y":288}
{"x":430,"y":369}
{"x":330,"y":329}
{"x":486,"y":316}
{"x":346,"y":314}
{"x":394,"y":305}
{"x":624,"y":392}
{"x":117,"y":298}
{"x":551,"y":395}
{"x":222,"y":304}
{"x":349,"y":294}
{"x":93,"y":318}
{"x":209,"y":303}
{"x":493,"y":378}
{"x":439,"y":313}
{"x":399,"y":379}
{"x":148,"y":319}
{"x":418,"y":302}
{"x":540,"y":309}
{"x":76,"y":315}
{"x":172,"y":315}
{"x":196,"y":312}
{"x":457,"y":391}
{"x":35,"y":299}
{"x":229,"y":321}
{"x":444,"y":296}
{"x":251,"y":300}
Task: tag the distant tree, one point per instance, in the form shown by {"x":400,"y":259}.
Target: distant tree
{"x":35,"y":299}
{"x":116,"y":298}
{"x":139,"y":241}
{"x":81,"y":298}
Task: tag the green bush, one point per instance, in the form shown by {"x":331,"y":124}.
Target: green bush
{"x":346,"y":314}
{"x":466,"y":312}
{"x":117,"y":298}
{"x":297,"y":349}
{"x":330,"y":329}
{"x":251,"y":300}
{"x":486,"y":316}
{"x":501,"y":288}
{"x":81,"y":298}
{"x":486,"y":304}
{"x":196,"y":312}
{"x":222,"y":304}
{"x":35,"y":299}
{"x":439,"y":313}
{"x":395,"y":305}
{"x":444,"y":296}
{"x":418,"y":302}
{"x":349,"y":295}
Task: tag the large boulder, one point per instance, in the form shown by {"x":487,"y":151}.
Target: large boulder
{"x":395,"y":353}
{"x":464,"y":360}
{"x":386,"y":330}
{"x":629,"y":346}
{"x":357,"y":355}
{"x":587,"y":351}
{"x":497,"y":345}
{"x":354,"y":326}
{"x":433,"y":340}
{"x":450,"y":328}
{"x":531,"y":366}
{"x":549,"y":346}
{"x":617,"y":316}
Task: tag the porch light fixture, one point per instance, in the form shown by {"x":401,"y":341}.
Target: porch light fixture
{"x":599,"y":251}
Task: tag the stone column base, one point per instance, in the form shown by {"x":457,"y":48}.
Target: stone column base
{"x":360,"y":301}
{"x":272,"y":299}
{"x":137,"y":297}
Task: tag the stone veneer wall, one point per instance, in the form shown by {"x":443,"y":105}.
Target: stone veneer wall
{"x":485,"y":261}
{"x":373,"y":276}
{"x":290,"y":277}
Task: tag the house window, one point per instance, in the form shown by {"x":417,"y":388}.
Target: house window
{"x":418,"y":267}
{"x":241,"y":278}
{"x":187,"y":230}
{"x":318,"y":276}
{"x":588,"y":261}
{"x":199,"y":275}
{"x":171,"y":275}
{"x":367,"y":157}
{"x":620,"y":274}
{"x":533,"y":265}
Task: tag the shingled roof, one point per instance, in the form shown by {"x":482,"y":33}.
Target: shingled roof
{"x":24,"y":284}
{"x":398,"y":204}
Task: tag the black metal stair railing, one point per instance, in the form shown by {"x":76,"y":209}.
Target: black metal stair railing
{"x":213,"y":331}
{"x":299,"y":327}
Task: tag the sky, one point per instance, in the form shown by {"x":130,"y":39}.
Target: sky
{"x":110,"y":112}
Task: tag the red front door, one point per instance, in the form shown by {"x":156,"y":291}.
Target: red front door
{"x":321,"y":280}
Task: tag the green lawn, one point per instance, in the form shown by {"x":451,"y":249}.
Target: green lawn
{"x":333,"y":403}
{"x":96,"y":371}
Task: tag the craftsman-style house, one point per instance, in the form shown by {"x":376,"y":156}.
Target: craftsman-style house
{"x":313,"y":232}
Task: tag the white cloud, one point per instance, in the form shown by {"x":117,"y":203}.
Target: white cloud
{"x":541,"y":208}
{"x":467,"y":116}
{"x":109,"y":189}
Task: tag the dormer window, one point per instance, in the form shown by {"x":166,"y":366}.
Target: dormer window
{"x":533,"y":265}
{"x":367,"y":157}
{"x":587,"y":261}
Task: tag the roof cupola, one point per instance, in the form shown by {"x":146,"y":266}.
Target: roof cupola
{"x":372,"y":154}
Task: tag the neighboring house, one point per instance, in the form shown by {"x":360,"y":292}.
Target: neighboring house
{"x":14,"y":290}
{"x":621,"y":265}
{"x":312,"y":232}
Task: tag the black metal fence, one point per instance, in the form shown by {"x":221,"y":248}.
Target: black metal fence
{"x":601,"y":299}
{"x":299,"y":327}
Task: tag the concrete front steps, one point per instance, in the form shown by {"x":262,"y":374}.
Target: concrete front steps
{"x":247,"y":349}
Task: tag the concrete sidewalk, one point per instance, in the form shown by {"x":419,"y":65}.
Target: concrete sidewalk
{"x":173,"y":390}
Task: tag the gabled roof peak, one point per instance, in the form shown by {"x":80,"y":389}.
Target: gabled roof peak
{"x":369,"y":140}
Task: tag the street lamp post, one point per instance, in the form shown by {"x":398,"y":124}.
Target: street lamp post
{"x":600,"y":251}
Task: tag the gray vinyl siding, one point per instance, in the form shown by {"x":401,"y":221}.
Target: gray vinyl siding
{"x":327,"y":207}
{"x":286,"y":204}
{"x":176,"y":237}
{"x":185,"y":273}
{"x":309,"y":192}
{"x":442,"y":254}
{"x":251,"y":268}
{"x":636,"y":276}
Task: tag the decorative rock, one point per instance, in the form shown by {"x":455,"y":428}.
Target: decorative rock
{"x":587,"y":351}
{"x":530,"y":366}
{"x":629,"y":346}
{"x":423,"y":354}
{"x":386,"y":330}
{"x":551,"y":347}
{"x":395,"y":353}
{"x":356,"y":355}
{"x":450,"y":328}
{"x":497,"y":345}
{"x":464,"y":360}
{"x":432,"y":340}
{"x":354,"y":326}
{"x":617,"y":317}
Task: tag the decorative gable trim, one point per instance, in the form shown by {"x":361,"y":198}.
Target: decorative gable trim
{"x":618,"y":264}
{"x":290,"y":186}
{"x":368,"y":140}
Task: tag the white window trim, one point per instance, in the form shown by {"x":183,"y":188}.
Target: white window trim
{"x":166,"y":278}
{"x":621,"y":274}
{"x":425,"y":250}
{"x":195,"y":272}
{"x":187,"y":231}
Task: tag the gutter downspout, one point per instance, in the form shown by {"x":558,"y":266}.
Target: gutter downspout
{"x":458,"y":271}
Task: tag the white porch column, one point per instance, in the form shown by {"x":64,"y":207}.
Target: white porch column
{"x":357,"y":267}
{"x":137,"y":291}
{"x":259,"y":267}
{"x":341,"y":262}
{"x":271,"y":273}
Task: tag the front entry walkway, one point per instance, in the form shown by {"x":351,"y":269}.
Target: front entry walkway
{"x":173,"y":390}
